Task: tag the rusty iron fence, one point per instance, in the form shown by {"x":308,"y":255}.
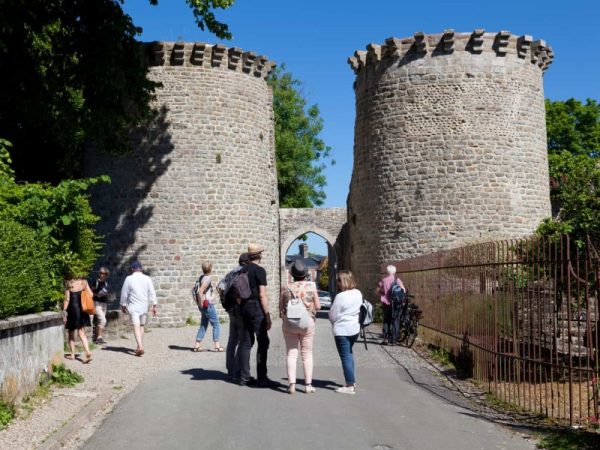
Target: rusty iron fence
{"x":522,"y":316}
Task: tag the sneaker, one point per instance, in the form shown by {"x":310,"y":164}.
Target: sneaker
{"x":247,"y":382}
{"x":346,"y":390}
{"x":291,"y":388}
{"x":310,"y":389}
{"x":100,"y":341}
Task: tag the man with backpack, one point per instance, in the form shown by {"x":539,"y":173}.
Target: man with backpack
{"x":236,"y":324}
{"x":257,"y":320}
{"x":388,"y":288}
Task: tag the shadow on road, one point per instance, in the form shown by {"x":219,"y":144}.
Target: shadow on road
{"x":179,"y":347}
{"x":110,"y":348}
{"x":205,"y":374}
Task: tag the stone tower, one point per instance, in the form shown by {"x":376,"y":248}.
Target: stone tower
{"x":449,"y":146}
{"x":201,"y":183}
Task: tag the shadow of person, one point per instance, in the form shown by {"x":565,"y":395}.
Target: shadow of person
{"x":179,"y":347}
{"x":325,"y":384}
{"x":110,"y":348}
{"x":205,"y":374}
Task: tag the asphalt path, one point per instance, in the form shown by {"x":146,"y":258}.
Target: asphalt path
{"x":399,"y":404}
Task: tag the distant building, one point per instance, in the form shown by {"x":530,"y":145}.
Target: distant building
{"x":314,"y":263}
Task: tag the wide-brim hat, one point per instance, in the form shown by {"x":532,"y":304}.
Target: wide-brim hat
{"x":255,"y":249}
{"x":299,"y":269}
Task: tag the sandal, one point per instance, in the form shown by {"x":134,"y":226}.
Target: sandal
{"x":219,"y":349}
{"x":197,"y":349}
{"x":71,"y":357}
{"x":139,"y":352}
{"x":88,"y":358}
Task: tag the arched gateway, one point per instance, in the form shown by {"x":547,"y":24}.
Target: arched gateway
{"x":326,"y":222}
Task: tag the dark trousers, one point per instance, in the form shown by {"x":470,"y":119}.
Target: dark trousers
{"x":236,"y":329}
{"x":387,"y":321}
{"x":254,"y":328}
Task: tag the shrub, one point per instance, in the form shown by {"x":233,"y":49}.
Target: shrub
{"x":7,"y":412}
{"x":61,"y":376}
{"x":24,"y":271}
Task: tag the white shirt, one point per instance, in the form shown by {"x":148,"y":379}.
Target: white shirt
{"x":344,"y":312}
{"x":138,"y":292}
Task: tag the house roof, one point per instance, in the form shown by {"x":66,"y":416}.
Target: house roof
{"x":312,"y":262}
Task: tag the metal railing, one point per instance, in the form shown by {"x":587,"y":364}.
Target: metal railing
{"x":522,"y":316}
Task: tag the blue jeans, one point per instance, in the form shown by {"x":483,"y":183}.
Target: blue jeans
{"x":209,"y":314}
{"x":344,"y":347}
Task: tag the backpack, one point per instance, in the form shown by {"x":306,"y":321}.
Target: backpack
{"x":240,"y":286}
{"x":296,"y":313}
{"x":196,"y":289}
{"x":365,"y":318}
{"x":397,"y":294}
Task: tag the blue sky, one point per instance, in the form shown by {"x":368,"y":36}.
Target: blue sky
{"x":315,"y":38}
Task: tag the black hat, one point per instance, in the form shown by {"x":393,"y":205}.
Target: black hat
{"x":299,"y":269}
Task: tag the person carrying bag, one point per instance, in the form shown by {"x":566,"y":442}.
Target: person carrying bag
{"x":298,"y":305}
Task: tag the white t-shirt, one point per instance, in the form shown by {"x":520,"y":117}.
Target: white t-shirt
{"x":344,"y":313}
{"x":138,"y":293}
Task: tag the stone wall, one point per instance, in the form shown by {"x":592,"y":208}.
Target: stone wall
{"x":201,"y":183}
{"x":29,"y":345}
{"x":450,"y":145}
{"x":326,"y":222}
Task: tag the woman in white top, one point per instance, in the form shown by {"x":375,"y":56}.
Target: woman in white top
{"x":344,"y":317}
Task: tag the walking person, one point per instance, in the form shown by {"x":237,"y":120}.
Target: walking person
{"x":100,"y":290}
{"x":305,"y":291}
{"x":343,"y":315}
{"x":208,"y":312}
{"x":74,"y":317}
{"x":256,"y":317}
{"x":136,"y":296}
{"x":384,"y":291}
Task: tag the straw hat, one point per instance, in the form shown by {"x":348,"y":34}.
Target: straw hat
{"x":254,"y":249}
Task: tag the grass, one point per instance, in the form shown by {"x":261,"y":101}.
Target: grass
{"x":441,"y":356}
{"x":7,"y":413}
{"x":117,"y":387}
{"x":191,"y":321}
{"x":78,"y":347}
{"x":569,"y":440}
{"x":61,"y":376}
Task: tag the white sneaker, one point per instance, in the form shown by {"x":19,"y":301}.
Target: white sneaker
{"x":310,"y":389}
{"x":291,"y":388}
{"x":346,"y":390}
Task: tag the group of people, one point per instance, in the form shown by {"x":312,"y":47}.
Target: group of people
{"x":249,"y":319}
{"x":137,"y":295}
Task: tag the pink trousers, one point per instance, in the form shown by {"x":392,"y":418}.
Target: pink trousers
{"x":304,"y":341}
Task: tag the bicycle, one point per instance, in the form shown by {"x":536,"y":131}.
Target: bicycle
{"x":405,"y":323}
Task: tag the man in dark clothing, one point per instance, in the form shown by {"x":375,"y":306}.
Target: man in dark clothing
{"x":236,"y":325}
{"x":100,"y":291}
{"x":257,"y":321}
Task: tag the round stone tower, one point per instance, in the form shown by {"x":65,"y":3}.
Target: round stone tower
{"x":201,"y":183}
{"x":449,"y":147}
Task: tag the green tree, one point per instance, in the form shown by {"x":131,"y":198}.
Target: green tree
{"x":73,"y":74}
{"x":300,"y":153}
{"x":324,"y":277}
{"x":574,"y":157}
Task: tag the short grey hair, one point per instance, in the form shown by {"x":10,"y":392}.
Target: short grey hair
{"x":391,"y":269}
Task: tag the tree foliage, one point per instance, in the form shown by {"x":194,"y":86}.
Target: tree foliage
{"x":574,"y":157}
{"x":300,"y":152}
{"x":73,"y":74}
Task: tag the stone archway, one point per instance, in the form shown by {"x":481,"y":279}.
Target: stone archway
{"x":325,"y":222}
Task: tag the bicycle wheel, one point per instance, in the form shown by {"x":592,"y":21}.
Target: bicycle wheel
{"x":411,"y":333}
{"x":402,"y":329}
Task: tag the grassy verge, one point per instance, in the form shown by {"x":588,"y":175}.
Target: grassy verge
{"x":61,"y":377}
{"x":569,"y":440}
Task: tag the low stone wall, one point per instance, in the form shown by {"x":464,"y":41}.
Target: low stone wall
{"x":29,"y":345}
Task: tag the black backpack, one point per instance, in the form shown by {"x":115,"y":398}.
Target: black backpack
{"x":196,"y":289}
{"x":240,"y":286}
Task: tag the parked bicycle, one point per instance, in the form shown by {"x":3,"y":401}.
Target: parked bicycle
{"x":405,"y":321}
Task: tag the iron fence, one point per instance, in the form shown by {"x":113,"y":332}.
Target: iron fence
{"x":522,"y":316}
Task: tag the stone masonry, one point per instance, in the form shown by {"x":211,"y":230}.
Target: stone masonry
{"x":326,"y":222}
{"x":450,"y":145}
{"x":201,"y":183}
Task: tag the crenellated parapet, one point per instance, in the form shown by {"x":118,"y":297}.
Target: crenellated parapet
{"x":201,"y":54}
{"x":502,"y":43}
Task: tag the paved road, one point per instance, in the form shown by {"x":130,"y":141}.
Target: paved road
{"x":399,"y":404}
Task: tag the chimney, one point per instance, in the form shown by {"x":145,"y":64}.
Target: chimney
{"x":303,"y":250}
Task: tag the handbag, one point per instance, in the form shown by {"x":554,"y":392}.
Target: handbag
{"x":87,"y":302}
{"x":296,"y":313}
